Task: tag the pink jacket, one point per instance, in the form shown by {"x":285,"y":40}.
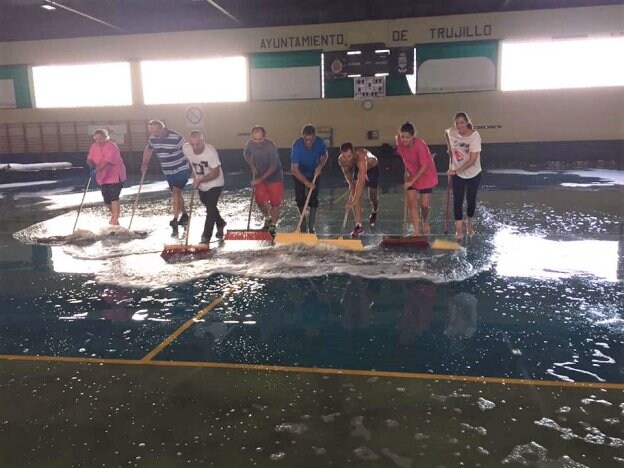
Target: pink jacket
{"x":115,"y":171}
{"x":416,"y":156}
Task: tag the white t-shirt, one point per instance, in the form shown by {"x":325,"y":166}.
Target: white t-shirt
{"x":461,"y":147}
{"x":204,"y":163}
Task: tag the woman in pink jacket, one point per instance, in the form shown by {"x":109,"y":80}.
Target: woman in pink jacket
{"x":110,"y":171}
{"x":421,"y":175}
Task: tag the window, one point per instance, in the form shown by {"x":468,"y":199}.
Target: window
{"x":193,"y":81}
{"x":569,"y":63}
{"x":88,"y":85}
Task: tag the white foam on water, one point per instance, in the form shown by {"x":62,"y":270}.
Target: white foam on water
{"x":605,"y":359}
{"x":566,"y":432}
{"x":401,"y":462}
{"x":485,"y":405}
{"x":292,"y":428}
{"x":589,"y":401}
{"x":532,"y":449}
{"x":94,"y":196}
{"x":607,"y":176}
{"x":27,"y":184}
{"x":595,"y":184}
{"x":116,"y":256}
{"x":138,"y":263}
{"x":478,"y":429}
{"x":366,"y":454}
{"x":520,"y":172}
{"x":278,"y":456}
{"x":359,"y":429}
{"x":482,"y":451}
{"x":594,"y":435}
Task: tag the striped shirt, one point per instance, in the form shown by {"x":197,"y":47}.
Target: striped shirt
{"x":168,"y":148}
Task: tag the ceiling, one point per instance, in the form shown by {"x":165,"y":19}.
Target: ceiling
{"x":27,"y":20}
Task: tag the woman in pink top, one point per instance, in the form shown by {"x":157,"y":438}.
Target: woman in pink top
{"x":110,"y":171}
{"x":421,"y":175}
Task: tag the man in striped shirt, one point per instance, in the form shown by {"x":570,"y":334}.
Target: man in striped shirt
{"x":167,"y":145}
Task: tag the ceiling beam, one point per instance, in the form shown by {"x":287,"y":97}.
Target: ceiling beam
{"x":80,"y":13}
{"x":224,"y":11}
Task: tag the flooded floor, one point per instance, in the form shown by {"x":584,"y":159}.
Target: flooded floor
{"x":507,"y":352}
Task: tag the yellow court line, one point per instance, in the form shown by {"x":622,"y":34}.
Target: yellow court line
{"x":318,"y":370}
{"x":185,"y":326}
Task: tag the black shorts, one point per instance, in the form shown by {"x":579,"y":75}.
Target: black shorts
{"x":110,"y":192}
{"x":422,"y":191}
{"x":372,"y":176}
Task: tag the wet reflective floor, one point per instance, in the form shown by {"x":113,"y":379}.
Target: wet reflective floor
{"x":139,"y":362}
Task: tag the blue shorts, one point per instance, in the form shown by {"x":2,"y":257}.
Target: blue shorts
{"x":372,"y":176}
{"x":179,"y":179}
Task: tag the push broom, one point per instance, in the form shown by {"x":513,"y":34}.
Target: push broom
{"x":136,"y":200}
{"x":348,"y":244}
{"x":249,"y":234}
{"x":442,"y":244}
{"x":297,"y":237}
{"x":420,"y":242}
{"x":173,"y":250}
{"x":84,"y":194}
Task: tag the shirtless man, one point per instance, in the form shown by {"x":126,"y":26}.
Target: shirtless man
{"x":360,"y":168}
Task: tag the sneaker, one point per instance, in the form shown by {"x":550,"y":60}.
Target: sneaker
{"x":219,"y":234}
{"x":273,"y":229}
{"x":357,"y":231}
{"x":311,"y":231}
{"x":372,"y":219}
{"x":183,"y":221}
{"x":267,"y":223}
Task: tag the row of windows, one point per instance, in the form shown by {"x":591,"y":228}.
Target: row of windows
{"x":163,"y":82}
{"x":574,"y":63}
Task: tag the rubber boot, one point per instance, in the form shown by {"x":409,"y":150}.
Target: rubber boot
{"x":311,"y":220}
{"x":304,"y":224}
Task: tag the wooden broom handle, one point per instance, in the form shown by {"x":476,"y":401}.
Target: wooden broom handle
{"x":305,"y":206}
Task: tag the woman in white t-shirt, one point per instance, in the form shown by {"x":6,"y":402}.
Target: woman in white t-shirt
{"x":464,"y":149}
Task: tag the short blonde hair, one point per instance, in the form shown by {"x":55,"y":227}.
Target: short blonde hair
{"x":103,"y":132}
{"x":156,"y":122}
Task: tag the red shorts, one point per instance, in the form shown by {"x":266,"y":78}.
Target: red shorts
{"x":266,"y":192}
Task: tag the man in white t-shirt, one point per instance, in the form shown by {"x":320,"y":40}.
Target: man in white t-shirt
{"x":208,"y":179}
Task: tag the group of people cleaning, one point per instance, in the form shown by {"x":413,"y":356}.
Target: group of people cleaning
{"x":181,"y":160}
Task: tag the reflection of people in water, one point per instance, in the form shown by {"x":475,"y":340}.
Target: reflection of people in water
{"x":42,"y":257}
{"x":207,"y":339}
{"x":417,"y":312}
{"x":115,"y":310}
{"x":462,"y":319}
{"x":308,"y":311}
{"x":357,"y":304}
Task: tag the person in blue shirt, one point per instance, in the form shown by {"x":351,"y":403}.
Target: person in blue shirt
{"x":308,"y":157}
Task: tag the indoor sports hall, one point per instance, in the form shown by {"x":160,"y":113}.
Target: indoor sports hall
{"x":298,"y":340}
